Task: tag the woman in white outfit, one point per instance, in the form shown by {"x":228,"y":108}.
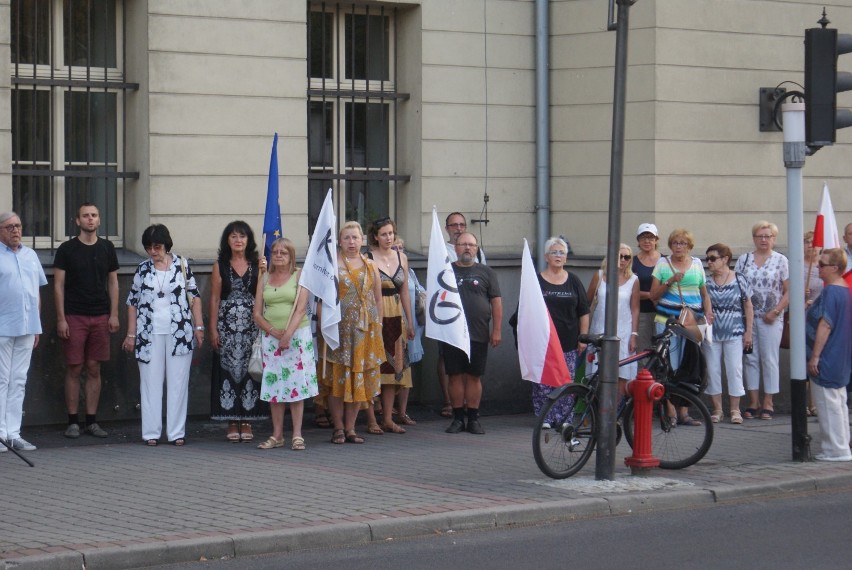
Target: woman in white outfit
{"x":162,"y":305}
{"x":628,"y":310}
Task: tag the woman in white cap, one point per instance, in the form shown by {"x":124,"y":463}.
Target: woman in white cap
{"x":643,"y":266}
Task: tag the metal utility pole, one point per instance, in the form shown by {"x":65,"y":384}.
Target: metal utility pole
{"x":605,"y":457}
{"x":795,"y":150}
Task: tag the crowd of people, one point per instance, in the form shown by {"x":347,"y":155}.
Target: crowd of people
{"x":382,"y":319}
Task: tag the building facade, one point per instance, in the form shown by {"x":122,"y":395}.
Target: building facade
{"x":164,"y":110}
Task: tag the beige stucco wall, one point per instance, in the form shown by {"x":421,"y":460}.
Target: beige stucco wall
{"x":5,"y":106}
{"x":694,"y":155}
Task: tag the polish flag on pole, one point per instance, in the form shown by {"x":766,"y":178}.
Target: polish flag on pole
{"x":539,"y":351}
{"x":825,"y":231}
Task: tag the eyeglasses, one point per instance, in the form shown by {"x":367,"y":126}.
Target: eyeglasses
{"x":398,"y":248}
{"x":467,"y":245}
{"x":12,"y":227}
{"x":457,"y":225}
{"x":712,"y":258}
{"x":156,"y":247}
{"x":557,"y":253}
{"x":647,"y":237}
{"x":680,"y":243}
{"x":770,"y":236}
{"x":625,"y":257}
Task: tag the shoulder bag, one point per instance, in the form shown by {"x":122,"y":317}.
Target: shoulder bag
{"x":687,"y":318}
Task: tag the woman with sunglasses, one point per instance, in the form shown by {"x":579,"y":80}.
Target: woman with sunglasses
{"x":397,"y":323}
{"x":678,"y":282}
{"x":566,"y":302}
{"x":768,"y":274}
{"x":730,"y":297}
{"x":628,"y":310}
{"x":828,"y":330}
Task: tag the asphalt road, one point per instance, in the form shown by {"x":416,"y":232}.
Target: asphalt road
{"x":809,"y":530}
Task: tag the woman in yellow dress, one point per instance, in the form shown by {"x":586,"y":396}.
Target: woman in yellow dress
{"x":351,"y":375}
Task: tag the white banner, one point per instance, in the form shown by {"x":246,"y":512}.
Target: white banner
{"x":445,"y":320}
{"x":319,"y":274}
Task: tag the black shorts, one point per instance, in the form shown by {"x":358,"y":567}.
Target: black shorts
{"x":455,"y":360}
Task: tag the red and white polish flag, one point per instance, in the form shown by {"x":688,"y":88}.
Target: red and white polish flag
{"x":826,"y":235}
{"x":539,"y":351}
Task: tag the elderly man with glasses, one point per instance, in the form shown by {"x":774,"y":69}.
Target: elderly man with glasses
{"x":21,"y":275}
{"x":483,"y":308}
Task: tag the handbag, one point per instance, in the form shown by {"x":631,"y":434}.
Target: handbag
{"x":255,"y":365}
{"x":746,"y":350}
{"x":785,"y":332}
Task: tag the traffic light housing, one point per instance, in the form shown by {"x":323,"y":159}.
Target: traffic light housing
{"x":823,"y":82}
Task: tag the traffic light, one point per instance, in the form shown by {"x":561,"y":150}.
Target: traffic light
{"x":823,"y":82}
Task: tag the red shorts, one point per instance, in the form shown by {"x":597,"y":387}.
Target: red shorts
{"x":89,"y":339}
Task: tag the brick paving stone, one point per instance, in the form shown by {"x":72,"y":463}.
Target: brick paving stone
{"x":212,"y":489}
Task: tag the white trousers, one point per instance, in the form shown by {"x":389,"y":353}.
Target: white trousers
{"x":765,"y":356}
{"x":174,"y":370}
{"x":15,"y":355}
{"x":729,"y":353}
{"x":833,"y":418}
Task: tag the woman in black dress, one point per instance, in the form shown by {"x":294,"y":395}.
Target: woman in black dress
{"x":234,"y":396}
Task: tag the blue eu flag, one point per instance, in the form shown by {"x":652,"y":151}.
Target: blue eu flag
{"x":272,"y":216}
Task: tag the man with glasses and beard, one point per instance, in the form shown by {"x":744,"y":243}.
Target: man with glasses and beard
{"x":483,"y":307}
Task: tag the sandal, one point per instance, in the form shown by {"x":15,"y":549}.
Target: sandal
{"x":338,"y":437}
{"x":233,"y":432}
{"x":811,"y":412}
{"x":447,"y":410}
{"x":766,"y":414}
{"x":322,"y":421}
{"x":271,"y":443}
{"x":736,"y":417}
{"x":687,"y":421}
{"x":179,"y":442}
{"x":393,"y":428}
{"x":404,"y":419}
{"x":750,"y":413}
{"x":375,"y":429}
{"x":246,"y":434}
{"x":354,"y":438}
{"x":298,"y":444}
{"x":152,"y":443}
{"x":716,"y":416}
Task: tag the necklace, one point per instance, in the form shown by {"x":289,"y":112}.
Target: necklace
{"x":161,"y":284}
{"x":724,"y":279}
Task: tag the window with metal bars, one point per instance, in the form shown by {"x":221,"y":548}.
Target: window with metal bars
{"x":68,"y":98}
{"x":352,"y":109}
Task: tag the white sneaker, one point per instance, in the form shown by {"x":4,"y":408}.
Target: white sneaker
{"x":545,"y":425}
{"x":21,"y":444}
{"x":824,"y":457}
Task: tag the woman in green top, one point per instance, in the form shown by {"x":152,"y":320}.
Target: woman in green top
{"x":289,"y":366}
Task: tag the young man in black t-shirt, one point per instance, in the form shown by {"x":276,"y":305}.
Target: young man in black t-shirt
{"x":483,"y":309}
{"x":86,"y":295}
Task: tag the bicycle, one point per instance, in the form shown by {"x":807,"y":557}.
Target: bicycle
{"x":563,"y":448}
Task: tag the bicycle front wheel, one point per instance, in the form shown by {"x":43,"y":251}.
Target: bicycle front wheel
{"x":563,"y":448}
{"x":675,"y":446}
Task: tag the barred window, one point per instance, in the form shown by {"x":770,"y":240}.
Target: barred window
{"x":352,"y":109}
{"x":68,"y":97}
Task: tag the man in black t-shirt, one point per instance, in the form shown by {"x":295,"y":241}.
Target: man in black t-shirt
{"x":483,"y":308}
{"x":86,"y":294}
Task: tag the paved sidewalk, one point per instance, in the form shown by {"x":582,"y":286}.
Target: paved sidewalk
{"x":115,"y":503}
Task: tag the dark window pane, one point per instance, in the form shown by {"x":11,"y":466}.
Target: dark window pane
{"x":366,"y":200}
{"x":31,"y":200}
{"x":367,"y":47}
{"x":317,"y":189}
{"x":90,"y":127}
{"x":321,"y":129}
{"x":367,"y":135}
{"x":89,"y":29}
{"x":30,"y":125}
{"x":322,"y":34}
{"x":30,"y":27}
{"x":99,"y":191}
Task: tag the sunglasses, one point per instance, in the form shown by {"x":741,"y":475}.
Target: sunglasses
{"x":712,"y":258}
{"x":625,"y":257}
{"x":382,"y":222}
{"x":821,"y":264}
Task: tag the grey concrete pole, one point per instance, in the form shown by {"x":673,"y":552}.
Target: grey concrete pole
{"x":794,"y":160}
{"x":542,"y":130}
{"x":605,"y":457}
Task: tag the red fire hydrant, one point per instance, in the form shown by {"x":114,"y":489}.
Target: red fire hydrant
{"x":645,"y":392}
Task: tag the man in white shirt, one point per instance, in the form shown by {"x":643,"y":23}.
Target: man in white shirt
{"x":456,"y":225}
